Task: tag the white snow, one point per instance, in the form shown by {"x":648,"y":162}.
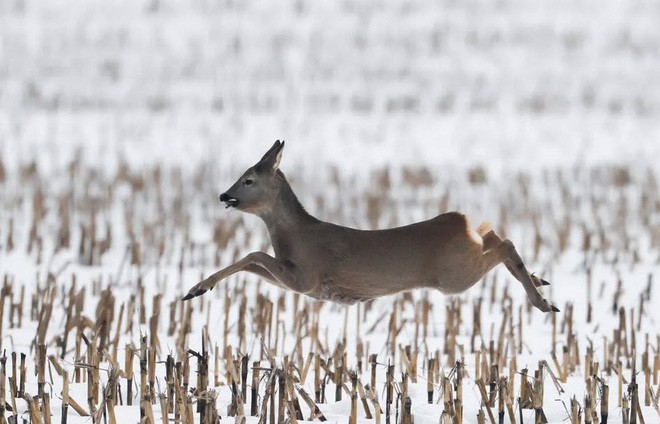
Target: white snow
{"x":353,"y":88}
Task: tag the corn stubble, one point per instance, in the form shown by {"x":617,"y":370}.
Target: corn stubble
{"x":273,"y":354}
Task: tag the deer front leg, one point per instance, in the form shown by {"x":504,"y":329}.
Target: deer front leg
{"x":259,"y":263}
{"x":265,"y":274}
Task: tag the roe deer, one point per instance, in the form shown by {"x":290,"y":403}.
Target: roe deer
{"x":345,"y":265}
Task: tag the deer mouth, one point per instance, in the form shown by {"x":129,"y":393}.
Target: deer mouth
{"x":231,"y":203}
{"x":228,"y":200}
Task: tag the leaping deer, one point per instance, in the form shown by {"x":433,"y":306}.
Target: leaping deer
{"x":346,"y":265}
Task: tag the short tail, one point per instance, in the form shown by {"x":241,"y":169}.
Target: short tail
{"x":484,"y":228}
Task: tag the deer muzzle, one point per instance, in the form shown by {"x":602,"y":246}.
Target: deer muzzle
{"x":228,"y":200}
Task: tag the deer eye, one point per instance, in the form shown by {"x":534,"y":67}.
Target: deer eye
{"x":248,"y":181}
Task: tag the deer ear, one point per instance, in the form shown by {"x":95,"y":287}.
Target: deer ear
{"x":272,"y":158}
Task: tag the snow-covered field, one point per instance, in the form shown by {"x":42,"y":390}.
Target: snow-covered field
{"x":120,"y":122}
{"x":592,"y":233}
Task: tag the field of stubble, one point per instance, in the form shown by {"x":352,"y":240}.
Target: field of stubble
{"x":94,"y":266}
{"x":121,"y":122}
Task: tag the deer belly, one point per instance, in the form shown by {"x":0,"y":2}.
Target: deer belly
{"x":331,"y":291}
{"x":455,"y":283}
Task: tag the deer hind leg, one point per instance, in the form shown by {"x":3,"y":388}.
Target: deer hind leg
{"x":258,"y":263}
{"x":492,"y":241}
{"x":503,"y":251}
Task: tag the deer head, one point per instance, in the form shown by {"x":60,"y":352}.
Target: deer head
{"x":257,"y":189}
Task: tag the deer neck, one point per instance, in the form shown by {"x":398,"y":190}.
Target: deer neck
{"x":287,"y":214}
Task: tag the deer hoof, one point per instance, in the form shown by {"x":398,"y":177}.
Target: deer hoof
{"x":538,"y":282}
{"x":544,"y":306}
{"x":194,"y":292}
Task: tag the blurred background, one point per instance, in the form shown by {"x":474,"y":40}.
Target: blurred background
{"x":503,"y":84}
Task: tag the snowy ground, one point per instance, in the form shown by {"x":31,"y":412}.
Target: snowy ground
{"x":567,"y":93}
{"x":628,"y":253}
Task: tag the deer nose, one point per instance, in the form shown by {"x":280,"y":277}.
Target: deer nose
{"x":224,"y":197}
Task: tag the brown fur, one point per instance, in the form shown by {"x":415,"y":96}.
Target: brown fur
{"x":346,"y":265}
